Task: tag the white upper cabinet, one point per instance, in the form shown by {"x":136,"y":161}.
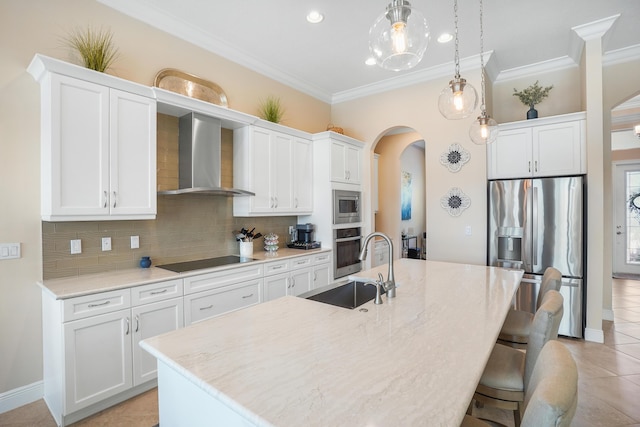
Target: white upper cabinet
{"x":551,"y":146}
{"x":345,"y":162}
{"x":98,"y":146}
{"x":277,"y":167}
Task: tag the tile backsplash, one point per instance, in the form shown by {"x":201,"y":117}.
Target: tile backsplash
{"x":187,"y":227}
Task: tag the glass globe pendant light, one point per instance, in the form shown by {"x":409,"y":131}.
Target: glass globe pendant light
{"x":399,"y":37}
{"x":484,"y":130}
{"x":459,"y":99}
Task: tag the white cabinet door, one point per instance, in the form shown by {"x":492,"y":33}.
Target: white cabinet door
{"x":97,"y":358}
{"x":510,"y":156}
{"x":280,"y":171}
{"x":150,"y":320}
{"x":353,"y":164}
{"x":321,"y":275}
{"x":338,"y":165}
{"x":258,"y":166}
{"x":558,"y":149}
{"x":302,"y":176}
{"x":75,"y":147}
{"x":345,"y":163}
{"x":132,"y":154}
{"x":301,"y":281}
{"x":276,"y":286}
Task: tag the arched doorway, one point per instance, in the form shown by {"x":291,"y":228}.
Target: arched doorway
{"x":400,"y":211}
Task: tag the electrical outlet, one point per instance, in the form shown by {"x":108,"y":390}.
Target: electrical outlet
{"x":106,"y":244}
{"x":76,"y":246}
{"x":135,"y":242}
{"x":291,"y":228}
{"x":467,"y":230}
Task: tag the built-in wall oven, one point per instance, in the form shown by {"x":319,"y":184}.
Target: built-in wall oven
{"x":346,"y":207}
{"x":346,"y":250}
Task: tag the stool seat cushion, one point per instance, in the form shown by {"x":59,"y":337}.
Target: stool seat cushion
{"x":505,"y":369}
{"x":517,"y":323}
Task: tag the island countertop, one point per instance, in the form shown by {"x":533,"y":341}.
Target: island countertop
{"x":413,"y":360}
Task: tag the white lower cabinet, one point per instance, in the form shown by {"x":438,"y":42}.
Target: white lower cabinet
{"x":294,"y":276}
{"x":321,"y":269}
{"x":90,"y":344}
{"x":212,"y":294}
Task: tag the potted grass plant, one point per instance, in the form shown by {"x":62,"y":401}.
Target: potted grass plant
{"x":271,"y":109}
{"x":532,"y":96}
{"x":95,"y":47}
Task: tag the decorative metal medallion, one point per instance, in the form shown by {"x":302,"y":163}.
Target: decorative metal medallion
{"x":455,"y":201}
{"x":455,"y":157}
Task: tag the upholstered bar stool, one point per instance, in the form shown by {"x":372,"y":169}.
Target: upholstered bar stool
{"x":551,"y":397}
{"x":508,"y":370}
{"x":515,"y":330}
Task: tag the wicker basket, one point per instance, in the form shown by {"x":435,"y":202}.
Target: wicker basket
{"x":335,"y":129}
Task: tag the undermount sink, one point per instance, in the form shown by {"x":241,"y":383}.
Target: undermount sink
{"x":350,"y":295}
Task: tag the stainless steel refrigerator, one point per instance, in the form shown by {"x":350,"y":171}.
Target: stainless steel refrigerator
{"x":537,"y":223}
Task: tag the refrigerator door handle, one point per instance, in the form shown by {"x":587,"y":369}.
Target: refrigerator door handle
{"x":534,"y":221}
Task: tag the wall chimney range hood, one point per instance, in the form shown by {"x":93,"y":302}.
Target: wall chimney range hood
{"x":200,"y":158}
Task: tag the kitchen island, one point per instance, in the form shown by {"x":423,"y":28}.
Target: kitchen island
{"x":413,"y":360}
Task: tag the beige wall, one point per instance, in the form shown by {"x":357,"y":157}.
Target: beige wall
{"x":416,"y":107}
{"x":36,"y":26}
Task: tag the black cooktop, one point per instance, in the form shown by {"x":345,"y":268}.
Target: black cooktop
{"x":199,"y":264}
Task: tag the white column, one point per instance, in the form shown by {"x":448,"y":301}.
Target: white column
{"x":592,"y":35}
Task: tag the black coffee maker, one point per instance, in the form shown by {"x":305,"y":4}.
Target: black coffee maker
{"x":305,"y":236}
{"x":305,"y":232}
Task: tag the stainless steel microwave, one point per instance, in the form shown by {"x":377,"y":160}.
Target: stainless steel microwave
{"x":346,"y":207}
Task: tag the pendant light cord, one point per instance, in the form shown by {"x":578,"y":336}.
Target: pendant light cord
{"x":457,"y":55}
{"x":482,"y":105}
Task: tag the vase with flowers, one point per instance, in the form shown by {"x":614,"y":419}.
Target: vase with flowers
{"x":531,"y":96}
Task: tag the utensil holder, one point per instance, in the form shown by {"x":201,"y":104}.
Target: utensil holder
{"x":246,"y":249}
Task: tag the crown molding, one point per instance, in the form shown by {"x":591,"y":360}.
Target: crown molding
{"x":149,"y":14}
{"x":619,"y":56}
{"x":411,"y":78}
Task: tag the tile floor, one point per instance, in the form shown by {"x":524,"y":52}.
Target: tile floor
{"x":609,"y":380}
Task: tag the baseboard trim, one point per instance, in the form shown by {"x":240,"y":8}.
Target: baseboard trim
{"x":21,"y":396}
{"x":594,"y":335}
{"x":607,"y":314}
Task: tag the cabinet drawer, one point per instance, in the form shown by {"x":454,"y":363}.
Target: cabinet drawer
{"x":322,"y":258}
{"x":94,"y":304}
{"x":301,"y":262}
{"x":205,"y":305}
{"x":276,"y":267}
{"x":156,"y":292}
{"x":222,"y":278}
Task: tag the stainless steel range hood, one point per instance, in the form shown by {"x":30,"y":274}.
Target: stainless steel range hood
{"x":200,"y":158}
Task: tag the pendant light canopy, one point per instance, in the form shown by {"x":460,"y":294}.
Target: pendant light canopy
{"x":484,"y":130}
{"x":459,"y":99}
{"x":399,"y":37}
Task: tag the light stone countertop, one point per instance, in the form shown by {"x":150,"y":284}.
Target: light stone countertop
{"x":70,"y":287}
{"x":414,"y":360}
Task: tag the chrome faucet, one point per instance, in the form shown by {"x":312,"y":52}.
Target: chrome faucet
{"x":390,"y":285}
{"x":378,"y":284}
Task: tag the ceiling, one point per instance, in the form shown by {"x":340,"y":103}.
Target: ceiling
{"x":326,"y":60}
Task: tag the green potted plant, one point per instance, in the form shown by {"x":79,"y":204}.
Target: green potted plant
{"x":271,"y":109}
{"x":95,"y":47}
{"x":531,"y":96}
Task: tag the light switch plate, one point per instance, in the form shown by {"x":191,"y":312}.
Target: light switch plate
{"x":135,"y":242}
{"x":106,"y":243}
{"x":467,"y":230}
{"x":9,"y":250}
{"x":76,"y":246}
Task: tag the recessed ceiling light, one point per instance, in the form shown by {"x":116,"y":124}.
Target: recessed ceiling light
{"x":315,"y":17}
{"x":445,"y":38}
{"x":370,"y":61}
